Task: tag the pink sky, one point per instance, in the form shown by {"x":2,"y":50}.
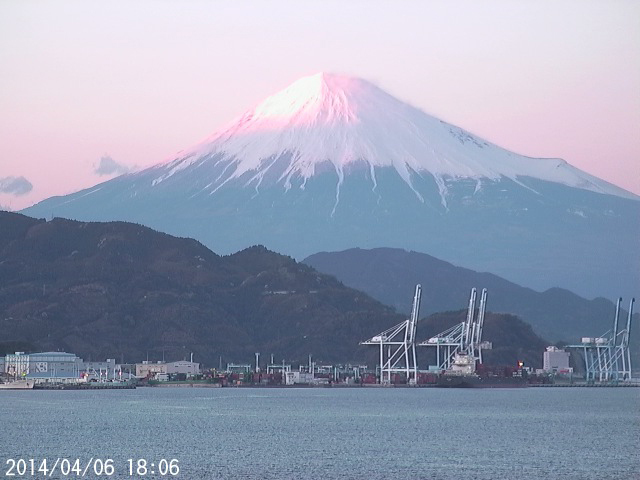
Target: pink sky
{"x":139,"y":81}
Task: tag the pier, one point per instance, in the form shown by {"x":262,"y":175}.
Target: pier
{"x":84,"y":386}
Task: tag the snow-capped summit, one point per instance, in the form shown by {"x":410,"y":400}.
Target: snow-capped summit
{"x":348,"y":122}
{"x":333,"y":162}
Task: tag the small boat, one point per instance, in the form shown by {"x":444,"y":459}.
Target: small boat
{"x":18,"y":385}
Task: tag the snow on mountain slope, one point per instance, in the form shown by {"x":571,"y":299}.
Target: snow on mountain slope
{"x":351,"y":122}
{"x":332,"y":163}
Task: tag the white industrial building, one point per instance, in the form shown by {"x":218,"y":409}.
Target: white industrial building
{"x":161,"y":370}
{"x":45,"y":367}
{"x":187,"y":368}
{"x":55,"y":367}
{"x":148,"y":369}
{"x":556,"y":360}
{"x":293,"y":378}
{"x":101,"y":370}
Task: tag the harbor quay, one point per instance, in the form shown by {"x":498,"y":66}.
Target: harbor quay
{"x":67,"y":371}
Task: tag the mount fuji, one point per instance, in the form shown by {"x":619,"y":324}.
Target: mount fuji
{"x":334,"y":162}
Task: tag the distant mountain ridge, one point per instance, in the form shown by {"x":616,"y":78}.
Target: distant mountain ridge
{"x":385,"y":274}
{"x":122,"y":290}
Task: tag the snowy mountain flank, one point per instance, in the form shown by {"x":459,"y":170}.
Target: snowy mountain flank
{"x":330,"y":121}
{"x":333,"y":162}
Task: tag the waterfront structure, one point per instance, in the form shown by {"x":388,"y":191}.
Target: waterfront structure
{"x":183,"y":367}
{"x":607,"y":358}
{"x":44,"y":367}
{"x":148,"y":369}
{"x":239,"y":368}
{"x":56,"y":367}
{"x":163,"y":370}
{"x":555,"y":360}
{"x":464,"y":338}
{"x":126,"y":370}
{"x":398,"y":346}
{"x":16,"y":365}
{"x":273,"y":368}
{"x":101,"y":370}
{"x":294,"y":378}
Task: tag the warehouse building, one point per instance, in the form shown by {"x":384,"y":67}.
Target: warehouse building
{"x":45,"y":367}
{"x":183,"y":367}
{"x":162,"y":370}
{"x":55,"y":367}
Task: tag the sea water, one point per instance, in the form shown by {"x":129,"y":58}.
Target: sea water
{"x":327,"y":433}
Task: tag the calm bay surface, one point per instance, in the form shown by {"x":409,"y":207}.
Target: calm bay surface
{"x":332,"y":433}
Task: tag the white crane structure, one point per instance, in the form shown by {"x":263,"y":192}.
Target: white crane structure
{"x":398,"y":346}
{"x":464,"y":338}
{"x":607,"y":358}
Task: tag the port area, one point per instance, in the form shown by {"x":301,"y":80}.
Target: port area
{"x":196,"y":384}
{"x":381,"y":385}
{"x":86,"y":386}
{"x":204,"y":384}
{"x":181,"y":385}
{"x":533,"y":382}
{"x":269,"y":386}
{"x":588,"y":384}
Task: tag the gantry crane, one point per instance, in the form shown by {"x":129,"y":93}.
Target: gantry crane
{"x":398,"y":346}
{"x":464,"y":338}
{"x":607,"y":358}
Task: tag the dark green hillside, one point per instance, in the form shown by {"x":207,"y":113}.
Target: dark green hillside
{"x":122,"y":290}
{"x":105,"y":290}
